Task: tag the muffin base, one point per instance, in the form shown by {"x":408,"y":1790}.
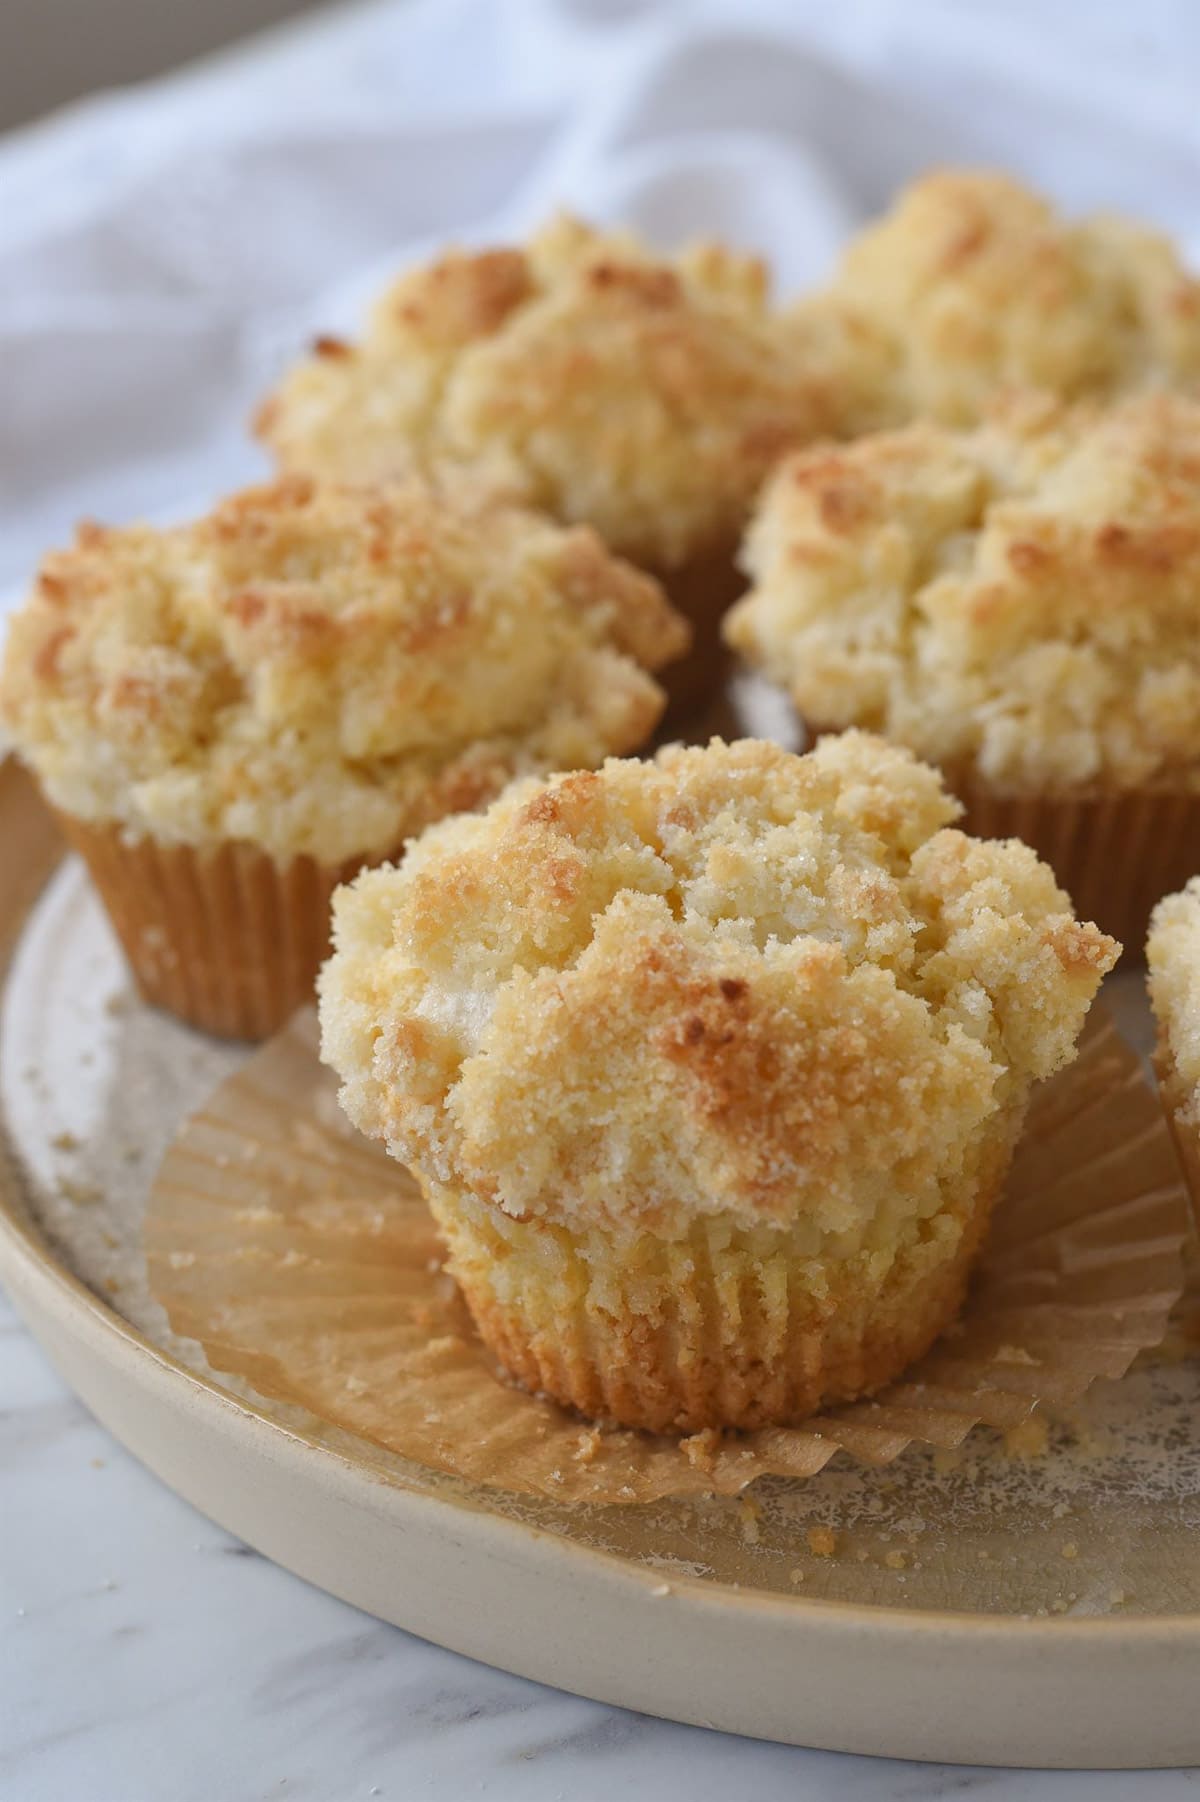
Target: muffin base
{"x":726,"y":1328}
{"x":1116,"y":855}
{"x":224,"y":938}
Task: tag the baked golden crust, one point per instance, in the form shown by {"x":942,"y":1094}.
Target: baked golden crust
{"x":973,"y":284}
{"x":645,"y":396}
{"x":321,"y":670}
{"x":1173,"y":958}
{"x":1021,"y":601}
{"x":730,"y":983}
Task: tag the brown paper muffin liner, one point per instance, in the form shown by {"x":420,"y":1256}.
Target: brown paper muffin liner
{"x":225,"y":938}
{"x":703,"y":590}
{"x":1116,"y":855}
{"x":307,"y":1263}
{"x":718,"y":1329}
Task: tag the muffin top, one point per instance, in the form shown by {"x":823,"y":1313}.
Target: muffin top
{"x":1023,"y":598}
{"x":972,"y":284}
{"x":731,"y":981}
{"x":323,"y":669}
{"x":1173,"y":956}
{"x":587,"y":376}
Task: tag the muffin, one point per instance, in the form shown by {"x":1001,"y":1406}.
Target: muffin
{"x":972,"y":285}
{"x":710,"y":1067}
{"x":230,"y":717}
{"x":1173,"y":957}
{"x":588,"y":377}
{"x":1019,"y":604}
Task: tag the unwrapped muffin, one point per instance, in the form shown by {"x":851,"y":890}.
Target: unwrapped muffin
{"x":1020,"y":604}
{"x":710,"y":1067}
{"x":646,"y":396}
{"x":972,"y":285}
{"x":1173,"y":957}
{"x":229,"y":717}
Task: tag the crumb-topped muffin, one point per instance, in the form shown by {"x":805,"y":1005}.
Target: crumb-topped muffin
{"x":647,"y":396}
{"x":1173,"y":958}
{"x":299,"y":682}
{"x":710,"y":1067}
{"x":972,"y":284}
{"x":1020,"y":604}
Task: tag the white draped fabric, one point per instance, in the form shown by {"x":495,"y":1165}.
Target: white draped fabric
{"x":164,"y":250}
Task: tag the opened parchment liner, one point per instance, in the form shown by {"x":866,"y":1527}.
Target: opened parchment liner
{"x":304,"y":1260}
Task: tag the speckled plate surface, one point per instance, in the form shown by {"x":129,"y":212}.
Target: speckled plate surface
{"x":1005,"y":1604}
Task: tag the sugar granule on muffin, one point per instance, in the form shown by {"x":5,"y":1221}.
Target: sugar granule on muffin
{"x":230,"y":715}
{"x":710,"y":1067}
{"x":973,"y":284}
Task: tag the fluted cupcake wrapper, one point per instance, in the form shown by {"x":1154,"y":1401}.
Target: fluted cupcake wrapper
{"x":703,"y":590}
{"x":1116,"y":855}
{"x":225,"y":937}
{"x":712,"y":1330}
{"x":308,"y":1265}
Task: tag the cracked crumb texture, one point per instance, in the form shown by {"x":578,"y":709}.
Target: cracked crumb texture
{"x":1021,"y":600}
{"x":729,"y":982}
{"x":643,"y":394}
{"x":973,"y":284}
{"x":1173,"y":960}
{"x":323,"y":669}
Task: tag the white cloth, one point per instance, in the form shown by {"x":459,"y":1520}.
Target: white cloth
{"x":164,"y":251}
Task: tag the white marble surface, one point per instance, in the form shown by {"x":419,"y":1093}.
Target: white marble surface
{"x":145,"y":1656}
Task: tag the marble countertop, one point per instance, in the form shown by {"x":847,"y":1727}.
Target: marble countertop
{"x":145,"y":1656}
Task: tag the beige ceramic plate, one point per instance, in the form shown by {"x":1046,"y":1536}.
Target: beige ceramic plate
{"x":979,"y":1608}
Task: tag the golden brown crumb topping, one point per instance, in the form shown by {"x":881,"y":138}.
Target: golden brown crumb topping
{"x":324,"y":669}
{"x":972,"y":284}
{"x":647,"y":397}
{"x":1173,"y":956}
{"x":732,"y":981}
{"x":1024,"y":597}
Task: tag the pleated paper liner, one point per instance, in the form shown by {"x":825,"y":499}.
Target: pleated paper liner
{"x":224,"y":938}
{"x":703,"y":590}
{"x":304,"y":1260}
